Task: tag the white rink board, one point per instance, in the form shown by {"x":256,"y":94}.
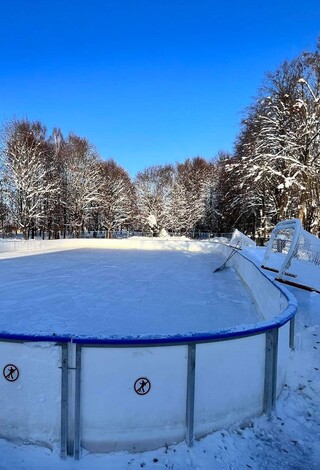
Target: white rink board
{"x":229,"y":382}
{"x":113,"y":416}
{"x":31,"y":405}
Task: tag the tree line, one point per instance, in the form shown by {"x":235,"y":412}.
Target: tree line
{"x":57,"y":186}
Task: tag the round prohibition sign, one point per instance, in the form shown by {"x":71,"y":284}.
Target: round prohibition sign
{"x":11,"y":372}
{"x":142,"y":386}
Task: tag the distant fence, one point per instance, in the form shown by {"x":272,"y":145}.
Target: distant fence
{"x":194,"y":234}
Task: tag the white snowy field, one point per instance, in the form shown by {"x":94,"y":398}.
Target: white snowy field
{"x":101,"y":292}
{"x":289,"y":440}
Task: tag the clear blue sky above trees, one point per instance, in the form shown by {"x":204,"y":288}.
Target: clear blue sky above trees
{"x":147,"y":81}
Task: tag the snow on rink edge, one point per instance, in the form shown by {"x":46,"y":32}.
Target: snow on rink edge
{"x":136,"y":243}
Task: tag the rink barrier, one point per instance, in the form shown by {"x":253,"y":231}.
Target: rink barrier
{"x":72,"y":350}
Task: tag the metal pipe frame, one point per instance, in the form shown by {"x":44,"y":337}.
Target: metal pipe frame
{"x":292,"y":332}
{"x":77,"y":405}
{"x":191,"y":376}
{"x":64,"y":400}
{"x":271,"y":369}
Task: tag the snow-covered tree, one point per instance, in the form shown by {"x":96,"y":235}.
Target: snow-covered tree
{"x":191,"y":191}
{"x":222,"y":215}
{"x":116,"y":202}
{"x":56,"y":223}
{"x":4,"y":211}
{"x":153,"y":189}
{"x":278,"y":148}
{"x":27,"y":174}
{"x":80,"y":177}
{"x":308,"y":146}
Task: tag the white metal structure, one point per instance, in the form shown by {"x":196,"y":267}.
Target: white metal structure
{"x":294,"y":254}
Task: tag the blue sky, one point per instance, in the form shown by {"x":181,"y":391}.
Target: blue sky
{"x":147,"y":81}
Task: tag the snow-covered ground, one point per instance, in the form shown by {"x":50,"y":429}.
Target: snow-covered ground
{"x":289,"y":440}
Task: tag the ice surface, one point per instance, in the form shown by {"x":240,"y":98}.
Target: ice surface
{"x":103,"y":292}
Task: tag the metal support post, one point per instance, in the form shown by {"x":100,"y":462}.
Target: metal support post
{"x":71,"y":391}
{"x":190,"y":394}
{"x":270,"y":379}
{"x":64,"y":400}
{"x":292,"y":329}
{"x":77,"y":423}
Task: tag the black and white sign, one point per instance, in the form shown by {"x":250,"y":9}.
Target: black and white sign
{"x":142,"y":386}
{"x":11,"y":372}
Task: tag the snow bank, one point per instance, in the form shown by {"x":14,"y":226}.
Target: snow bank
{"x":133,"y":243}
